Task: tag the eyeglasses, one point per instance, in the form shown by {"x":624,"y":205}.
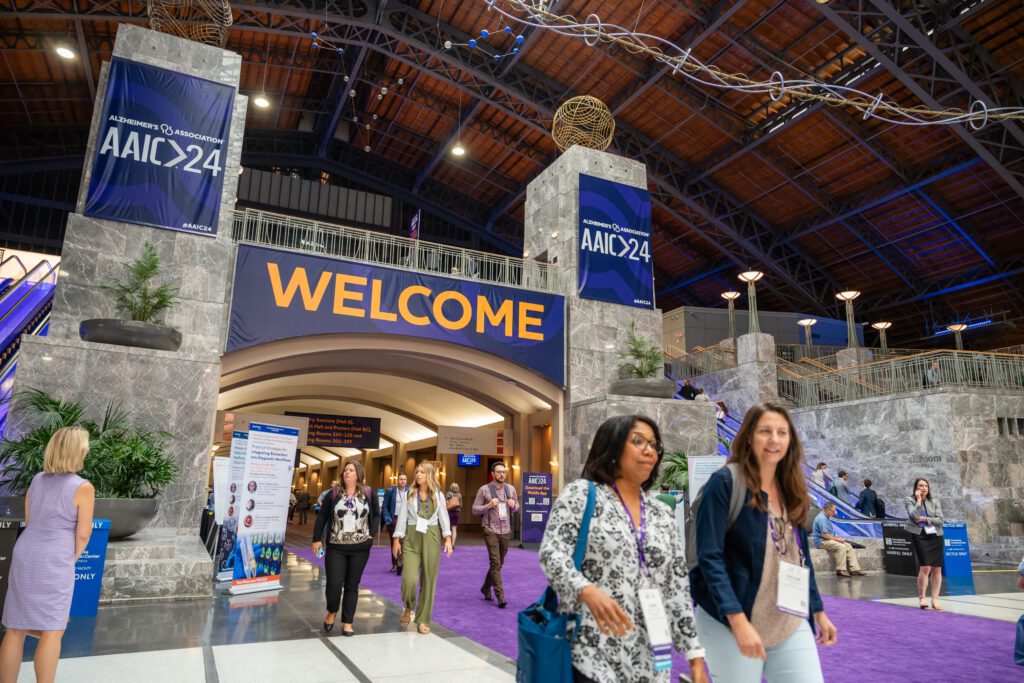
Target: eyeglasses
{"x":642,"y":442}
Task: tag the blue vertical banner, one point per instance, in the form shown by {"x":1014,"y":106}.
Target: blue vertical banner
{"x":956,"y":550}
{"x":614,"y":243}
{"x":536,"y":507}
{"x":160,"y":149}
{"x":85,"y":601}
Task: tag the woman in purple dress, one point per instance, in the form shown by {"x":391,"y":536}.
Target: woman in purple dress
{"x":58,"y":523}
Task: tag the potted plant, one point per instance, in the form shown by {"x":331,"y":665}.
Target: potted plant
{"x":144,"y":302}
{"x":674,"y":471}
{"x":126,"y":462}
{"x":642,"y":364}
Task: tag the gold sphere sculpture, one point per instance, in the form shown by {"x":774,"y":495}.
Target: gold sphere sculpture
{"x":585,"y":121}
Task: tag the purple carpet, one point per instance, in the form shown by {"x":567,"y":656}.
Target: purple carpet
{"x":877,"y":641}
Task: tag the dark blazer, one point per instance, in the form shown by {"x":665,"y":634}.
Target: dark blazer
{"x":730,"y":562}
{"x":326,"y":513}
{"x":866,"y":502}
{"x":390,"y":511}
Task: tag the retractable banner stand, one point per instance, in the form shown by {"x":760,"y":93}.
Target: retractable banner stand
{"x":536,"y":507}
{"x":226,"y":544}
{"x":85,"y":601}
{"x":8,"y":537}
{"x":263,"y":513}
{"x":898,"y":550}
{"x":956,"y":550}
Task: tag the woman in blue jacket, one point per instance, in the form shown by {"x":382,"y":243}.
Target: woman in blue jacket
{"x":754,"y":585}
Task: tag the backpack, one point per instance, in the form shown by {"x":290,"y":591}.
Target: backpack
{"x":736,"y":501}
{"x":832,"y":489}
{"x":879,"y":508}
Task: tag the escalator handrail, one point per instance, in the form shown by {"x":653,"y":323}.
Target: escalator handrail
{"x":24,"y":268}
{"x":14,"y":356}
{"x":14,"y":287}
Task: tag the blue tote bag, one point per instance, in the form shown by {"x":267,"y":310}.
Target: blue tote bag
{"x":545,"y":650}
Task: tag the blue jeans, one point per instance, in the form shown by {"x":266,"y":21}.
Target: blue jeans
{"x":795,"y":660}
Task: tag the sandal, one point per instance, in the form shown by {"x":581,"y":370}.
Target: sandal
{"x":423,"y":628}
{"x":936,"y":606}
{"x":406,"y":618}
{"x":922,"y":603}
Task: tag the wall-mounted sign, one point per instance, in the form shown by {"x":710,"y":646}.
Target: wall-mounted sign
{"x":614,"y":243}
{"x":160,"y":149}
{"x":279,"y":295}
{"x":466,"y":460}
{"x":341,"y":431}
{"x":479,"y":440}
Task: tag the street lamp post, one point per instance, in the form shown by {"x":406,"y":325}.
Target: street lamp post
{"x":731,"y":298}
{"x":750,"y":277}
{"x":957,"y":331}
{"x":847,"y":297}
{"x":807,"y":324}
{"x":882,"y":327}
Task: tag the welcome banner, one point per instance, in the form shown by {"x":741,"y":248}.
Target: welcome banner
{"x":278,"y":295}
{"x":161,"y":149}
{"x":615,"y":243}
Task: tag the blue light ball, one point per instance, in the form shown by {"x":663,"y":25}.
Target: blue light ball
{"x":313,"y":35}
{"x":315,"y":45}
{"x":472,"y":43}
{"x":484,"y":34}
{"x":497,"y":58}
{"x":519,"y":40}
{"x":508,"y":30}
{"x":515,"y":51}
{"x":341,"y":50}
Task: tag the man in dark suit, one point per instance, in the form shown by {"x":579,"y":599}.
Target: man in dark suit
{"x":302,"y":505}
{"x":867,"y":499}
{"x":390,"y":514}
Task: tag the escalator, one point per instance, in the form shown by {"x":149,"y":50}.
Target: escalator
{"x":25,"y":305}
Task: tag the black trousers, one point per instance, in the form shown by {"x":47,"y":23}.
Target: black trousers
{"x":345,"y":565}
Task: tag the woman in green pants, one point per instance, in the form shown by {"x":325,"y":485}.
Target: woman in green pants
{"x":422,"y":522}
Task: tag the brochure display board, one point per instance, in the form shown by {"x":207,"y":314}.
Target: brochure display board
{"x":263,"y":510}
{"x":224,"y":562}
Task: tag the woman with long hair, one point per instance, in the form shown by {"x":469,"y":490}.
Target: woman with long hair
{"x":633,"y":575}
{"x":422,"y":522}
{"x":58,"y":524}
{"x":924,"y":522}
{"x":758,"y":603}
{"x":453,"y":501}
{"x":347,"y":523}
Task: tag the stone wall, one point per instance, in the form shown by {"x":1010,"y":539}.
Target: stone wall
{"x":685,"y":425}
{"x":753,"y":380}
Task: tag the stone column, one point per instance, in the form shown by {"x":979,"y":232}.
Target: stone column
{"x":596,"y":330}
{"x":171,"y":391}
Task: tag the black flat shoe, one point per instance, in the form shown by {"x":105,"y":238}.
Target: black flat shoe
{"x":328,"y":627}
{"x":348,"y":634}
{"x":502,"y":605}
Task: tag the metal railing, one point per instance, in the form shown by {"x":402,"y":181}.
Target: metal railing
{"x":701,"y":361}
{"x":923,"y":371}
{"x":1017,"y":350}
{"x":825,"y":356}
{"x":324,"y":239}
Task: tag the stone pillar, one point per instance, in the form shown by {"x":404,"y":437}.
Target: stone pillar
{"x":171,"y":391}
{"x":758,"y":371}
{"x":596,"y":330}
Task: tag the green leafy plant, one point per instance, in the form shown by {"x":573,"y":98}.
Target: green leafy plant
{"x":674,"y":471}
{"x":137,"y":295}
{"x":124,"y":460}
{"x":642,"y":358}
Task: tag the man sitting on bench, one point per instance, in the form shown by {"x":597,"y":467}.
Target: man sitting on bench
{"x":840,"y":550}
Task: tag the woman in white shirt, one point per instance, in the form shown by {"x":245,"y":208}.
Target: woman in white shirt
{"x":422,"y":522}
{"x":633,"y":553}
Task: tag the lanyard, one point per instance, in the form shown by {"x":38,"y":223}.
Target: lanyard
{"x":776,"y":538}
{"x":641,"y":537}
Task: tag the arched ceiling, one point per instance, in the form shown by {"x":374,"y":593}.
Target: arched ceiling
{"x":925,"y":221}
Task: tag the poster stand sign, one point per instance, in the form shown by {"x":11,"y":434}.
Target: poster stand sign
{"x":536,"y":507}
{"x":898,"y":550}
{"x":85,"y":601}
{"x":8,"y":537}
{"x":224,"y":561}
{"x":956,"y":550}
{"x":700,"y":468}
{"x":263,"y":513}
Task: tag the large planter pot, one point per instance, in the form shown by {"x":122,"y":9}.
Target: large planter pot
{"x":651,"y":387}
{"x":130,"y":333}
{"x":127,"y":515}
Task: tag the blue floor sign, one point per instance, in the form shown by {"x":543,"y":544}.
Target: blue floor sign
{"x":956,"y":549}
{"x":89,"y":571}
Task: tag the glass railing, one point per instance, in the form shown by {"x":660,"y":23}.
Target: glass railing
{"x":930,"y":370}
{"x":336,"y":241}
